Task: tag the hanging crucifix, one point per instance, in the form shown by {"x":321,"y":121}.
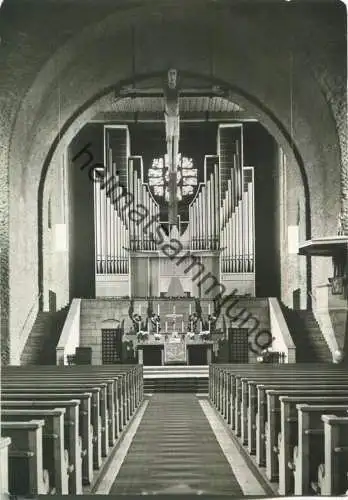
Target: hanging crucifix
{"x":172,"y":121}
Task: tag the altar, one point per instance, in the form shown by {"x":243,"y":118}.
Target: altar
{"x":175,"y":351}
{"x":174,"y":346}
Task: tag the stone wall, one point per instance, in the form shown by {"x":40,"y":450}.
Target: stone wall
{"x":56,"y":219}
{"x":291,"y":213}
{"x":96,"y":315}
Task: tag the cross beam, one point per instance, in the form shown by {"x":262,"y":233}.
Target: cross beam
{"x":184,"y":92}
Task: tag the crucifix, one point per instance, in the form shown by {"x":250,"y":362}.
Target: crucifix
{"x":174,"y":316}
{"x":172,"y":121}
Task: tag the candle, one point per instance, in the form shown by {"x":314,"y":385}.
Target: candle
{"x":166,"y":326}
{"x":209,"y":309}
{"x":190,"y":309}
{"x":139,"y":310}
{"x":158,"y":309}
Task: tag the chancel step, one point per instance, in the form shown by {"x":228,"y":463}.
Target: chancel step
{"x":176,"y":379}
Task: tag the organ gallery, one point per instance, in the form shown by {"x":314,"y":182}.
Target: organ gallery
{"x":205,"y":204}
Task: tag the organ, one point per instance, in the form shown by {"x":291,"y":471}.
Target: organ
{"x":219,"y":232}
{"x":142,"y":226}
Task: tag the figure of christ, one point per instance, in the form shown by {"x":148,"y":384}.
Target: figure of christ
{"x":172,"y":121}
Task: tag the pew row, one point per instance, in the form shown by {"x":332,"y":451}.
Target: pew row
{"x":84,"y":425}
{"x":72,"y":436}
{"x":260,"y":405}
{"x":4,"y":446}
{"x":54,"y":456}
{"x":333,"y":475}
{"x":25,"y":464}
{"x":309,"y":454}
{"x":96,"y":403}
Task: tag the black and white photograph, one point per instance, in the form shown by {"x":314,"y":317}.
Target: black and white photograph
{"x":173,"y":248}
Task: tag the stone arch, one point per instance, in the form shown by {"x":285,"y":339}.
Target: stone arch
{"x":274,"y":126}
{"x":84,"y":66}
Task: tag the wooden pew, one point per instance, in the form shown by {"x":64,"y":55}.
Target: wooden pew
{"x":132,"y":395}
{"x":237,"y":405}
{"x":54,"y":459}
{"x":124,"y":389}
{"x":332,"y":478}
{"x":72,"y":439}
{"x":273,"y":426}
{"x":266,"y":419}
{"x":69,"y":387}
{"x":248,"y":405}
{"x":288,"y":436}
{"x":224,"y":398}
{"x":242,"y":394}
{"x":216,"y":371}
{"x":4,"y":445}
{"x":254,"y":414}
{"x":127,"y":396}
{"x":235,"y":392}
{"x":85,"y":427}
{"x":244,"y":370}
{"x":309,"y":451}
{"x":26,"y":472}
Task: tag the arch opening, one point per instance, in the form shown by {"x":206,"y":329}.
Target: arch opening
{"x":273,"y":125}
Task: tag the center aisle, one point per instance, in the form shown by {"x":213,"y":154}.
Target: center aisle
{"x":175,"y":450}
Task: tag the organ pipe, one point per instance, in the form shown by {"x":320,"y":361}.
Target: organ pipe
{"x":146,"y":205}
{"x":136,"y":201}
{"x":204,"y":217}
{"x":210,"y":213}
{"x":194,"y":230}
{"x":216,"y":206}
{"x":201,"y":218}
{"x":196,"y":224}
{"x":191,"y":234}
{"x":246,"y":231}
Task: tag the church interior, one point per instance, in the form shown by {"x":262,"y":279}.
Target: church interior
{"x":173,"y":248}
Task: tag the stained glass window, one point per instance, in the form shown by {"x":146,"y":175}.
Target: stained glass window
{"x":186,"y":177}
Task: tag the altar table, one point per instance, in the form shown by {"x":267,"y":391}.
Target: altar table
{"x":187,"y":352}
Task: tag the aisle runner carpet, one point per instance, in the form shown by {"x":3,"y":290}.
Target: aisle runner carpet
{"x":175,"y":451}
